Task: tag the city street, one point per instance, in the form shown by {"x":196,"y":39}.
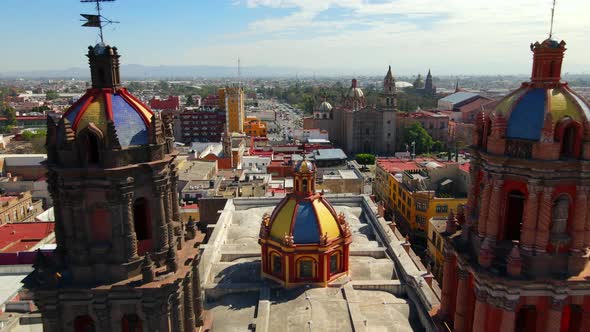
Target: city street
{"x":288,"y":119}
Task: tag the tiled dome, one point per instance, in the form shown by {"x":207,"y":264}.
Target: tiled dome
{"x":525,"y":109}
{"x":131,"y":118}
{"x":304,"y":166}
{"x":307,"y":219}
{"x":325,"y":107}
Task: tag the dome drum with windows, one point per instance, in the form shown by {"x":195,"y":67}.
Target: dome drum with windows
{"x":304,"y":241}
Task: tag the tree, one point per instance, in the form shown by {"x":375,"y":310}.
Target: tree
{"x":51,"y":94}
{"x":10,"y":114}
{"x":365,"y":158}
{"x":416,"y":133}
{"x":190,"y":101}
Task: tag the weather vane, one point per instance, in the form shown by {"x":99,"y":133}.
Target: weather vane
{"x":97,"y":21}
{"x":552,"y":14}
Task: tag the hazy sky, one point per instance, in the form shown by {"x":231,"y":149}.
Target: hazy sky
{"x":344,"y":36}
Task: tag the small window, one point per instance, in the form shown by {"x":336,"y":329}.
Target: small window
{"x":306,"y":269}
{"x":334,"y":264}
{"x":277,"y":264}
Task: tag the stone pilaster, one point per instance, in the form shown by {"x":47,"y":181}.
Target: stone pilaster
{"x":580,"y":215}
{"x":508,"y":318}
{"x":189,"y":310}
{"x":484,"y":208}
{"x":175,"y":198}
{"x":544,"y":221}
{"x":448,"y":290}
{"x":129,"y":229}
{"x":177,"y":318}
{"x":481,"y":306}
{"x":553,"y":322}
{"x":160,"y":216}
{"x":197,"y":301}
{"x":472,"y":195}
{"x":118,"y":254}
{"x":461,"y":310}
{"x":493,"y":222}
{"x":529,"y":225}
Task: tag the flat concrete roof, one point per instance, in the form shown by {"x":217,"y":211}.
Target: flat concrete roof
{"x":236,"y":295}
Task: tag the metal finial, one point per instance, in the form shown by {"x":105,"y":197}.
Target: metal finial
{"x":96,"y":21}
{"x":552,"y":14}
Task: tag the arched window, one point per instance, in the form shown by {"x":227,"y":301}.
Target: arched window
{"x":84,"y":324}
{"x":335,"y":263}
{"x":92,"y":148}
{"x":142,"y":222}
{"x":306,"y":267}
{"x":559,"y":215}
{"x":568,"y":142}
{"x":304,"y":185}
{"x":526,"y":319}
{"x":569,"y":133}
{"x":131,"y":323}
{"x":325,"y":116}
{"x":514,"y":214}
{"x":277,"y":264}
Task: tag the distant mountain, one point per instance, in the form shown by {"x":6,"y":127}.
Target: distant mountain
{"x":164,"y":72}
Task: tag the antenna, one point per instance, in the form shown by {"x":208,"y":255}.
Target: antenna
{"x":96,"y":21}
{"x":552,"y":14}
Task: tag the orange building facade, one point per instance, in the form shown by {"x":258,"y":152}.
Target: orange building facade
{"x":518,"y":260}
{"x":255,"y":127}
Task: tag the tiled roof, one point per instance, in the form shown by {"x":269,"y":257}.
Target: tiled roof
{"x":23,"y":236}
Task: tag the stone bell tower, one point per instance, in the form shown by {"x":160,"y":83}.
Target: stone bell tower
{"x":124,"y":261}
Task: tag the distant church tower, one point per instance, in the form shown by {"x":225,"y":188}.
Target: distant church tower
{"x":389,"y":94}
{"x":429,"y":87}
{"x":121,"y":262}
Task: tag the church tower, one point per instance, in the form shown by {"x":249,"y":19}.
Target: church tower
{"x":124,"y":261}
{"x":389,"y":94}
{"x":429,"y":87}
{"x":518,"y":260}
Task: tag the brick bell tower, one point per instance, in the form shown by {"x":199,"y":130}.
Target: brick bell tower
{"x":518,"y":260}
{"x":124,"y":261}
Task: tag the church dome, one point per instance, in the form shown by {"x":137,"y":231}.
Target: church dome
{"x":308,"y":220}
{"x":130,"y":117}
{"x":304,"y":166}
{"x":527,"y":109}
{"x":325,"y":107}
{"x":354,"y":91}
{"x":304,"y":231}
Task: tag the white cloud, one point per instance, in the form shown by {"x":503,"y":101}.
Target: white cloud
{"x":452,"y":36}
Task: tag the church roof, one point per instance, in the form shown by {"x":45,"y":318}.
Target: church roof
{"x":131,"y":118}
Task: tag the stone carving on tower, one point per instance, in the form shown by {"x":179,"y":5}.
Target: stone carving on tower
{"x":121,"y":262}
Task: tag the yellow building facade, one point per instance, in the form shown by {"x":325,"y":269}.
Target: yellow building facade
{"x":413,"y":208}
{"x":255,"y":127}
{"x":233,"y":100}
{"x":16,"y":208}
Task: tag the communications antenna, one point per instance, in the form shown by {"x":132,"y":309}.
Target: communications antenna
{"x":96,"y":20}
